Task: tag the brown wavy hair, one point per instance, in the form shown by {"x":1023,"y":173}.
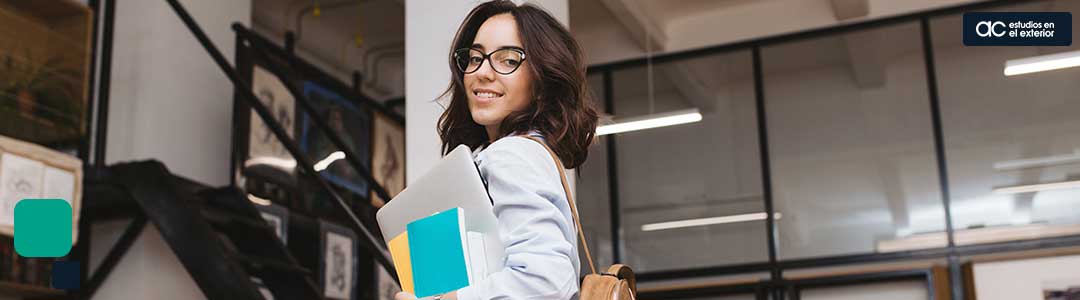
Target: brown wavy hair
{"x":560,"y":110}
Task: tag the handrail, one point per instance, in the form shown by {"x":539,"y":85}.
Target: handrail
{"x":350,"y":155}
{"x":249,"y":98}
{"x":347,"y":91}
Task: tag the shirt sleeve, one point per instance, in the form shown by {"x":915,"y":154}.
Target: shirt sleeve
{"x":528,"y":196}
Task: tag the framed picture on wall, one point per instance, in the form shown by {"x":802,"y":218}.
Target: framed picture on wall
{"x":30,"y":171}
{"x":261,"y":164}
{"x":387,"y":156}
{"x":338,"y":261}
{"x":278,"y":217}
{"x":351,"y":122}
{"x":385,"y":285}
{"x":264,"y":149}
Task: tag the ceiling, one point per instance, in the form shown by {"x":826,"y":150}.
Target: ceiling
{"x":329,"y":40}
{"x":608,"y":30}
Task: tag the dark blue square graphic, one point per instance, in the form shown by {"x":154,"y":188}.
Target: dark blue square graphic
{"x":1017,"y":29}
{"x":65,"y":275}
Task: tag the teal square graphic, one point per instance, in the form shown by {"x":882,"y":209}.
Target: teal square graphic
{"x":42,"y":228}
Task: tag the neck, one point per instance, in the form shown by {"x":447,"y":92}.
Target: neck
{"x":492,"y":132}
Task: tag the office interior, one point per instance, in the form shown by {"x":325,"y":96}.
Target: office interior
{"x":830,"y":149}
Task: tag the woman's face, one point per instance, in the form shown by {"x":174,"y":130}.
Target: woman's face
{"x":493,"y":96}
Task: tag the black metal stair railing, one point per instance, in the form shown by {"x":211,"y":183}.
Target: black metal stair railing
{"x":305,"y":106}
{"x":369,"y":241}
{"x":218,"y":236}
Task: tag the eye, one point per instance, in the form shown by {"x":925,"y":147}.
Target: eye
{"x":475,"y":59}
{"x":511,"y":62}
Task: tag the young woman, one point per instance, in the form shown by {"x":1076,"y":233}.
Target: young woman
{"x":518,"y":72}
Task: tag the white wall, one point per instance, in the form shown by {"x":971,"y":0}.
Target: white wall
{"x":168,"y":99}
{"x":430,"y":26}
{"x":168,"y":102}
{"x":906,"y":290}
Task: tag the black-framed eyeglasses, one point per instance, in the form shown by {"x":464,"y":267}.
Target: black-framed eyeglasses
{"x":503,"y":61}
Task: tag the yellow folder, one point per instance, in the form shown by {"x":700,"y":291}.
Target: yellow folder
{"x":399,"y":252}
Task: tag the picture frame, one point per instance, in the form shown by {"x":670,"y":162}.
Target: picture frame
{"x":263,"y":147}
{"x":29,"y":170}
{"x":337,"y":261}
{"x":260,"y":162}
{"x":278,"y":217}
{"x":353,"y":124}
{"x":387,"y":156}
{"x":385,"y":286}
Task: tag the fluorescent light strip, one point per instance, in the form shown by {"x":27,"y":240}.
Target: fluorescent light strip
{"x":651,"y":121}
{"x":1042,"y":63}
{"x":325,"y":162}
{"x":1038,"y":162}
{"x":708,"y":221}
{"x":282,"y":163}
{"x":257,"y":200}
{"x":1038,"y":187}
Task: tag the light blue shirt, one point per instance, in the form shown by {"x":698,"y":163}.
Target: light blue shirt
{"x":535,"y":224}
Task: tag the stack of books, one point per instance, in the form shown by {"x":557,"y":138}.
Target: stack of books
{"x":17,"y":269}
{"x":436,"y":255}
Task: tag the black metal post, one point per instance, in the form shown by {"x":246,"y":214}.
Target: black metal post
{"x":82,"y":250}
{"x":102,"y":128}
{"x":234,"y":155}
{"x":613,"y":174}
{"x":766,"y":174}
{"x":955,"y":273}
{"x":370,"y":241}
{"x":290,"y":42}
{"x":357,"y":81}
{"x":88,"y":113}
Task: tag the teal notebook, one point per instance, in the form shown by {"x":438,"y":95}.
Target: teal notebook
{"x":437,"y":246}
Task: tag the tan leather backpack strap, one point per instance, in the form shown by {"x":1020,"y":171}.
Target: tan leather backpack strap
{"x":569,"y":198}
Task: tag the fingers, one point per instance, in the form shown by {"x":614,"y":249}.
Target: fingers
{"x":404,"y":296}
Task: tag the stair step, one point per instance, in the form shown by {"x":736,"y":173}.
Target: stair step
{"x":227,"y":199}
{"x":260,"y":265}
{"x":231,"y":221}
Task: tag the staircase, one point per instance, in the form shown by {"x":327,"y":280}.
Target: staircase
{"x":217,"y":234}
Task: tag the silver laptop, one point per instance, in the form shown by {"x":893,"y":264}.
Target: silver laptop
{"x":453,"y":182}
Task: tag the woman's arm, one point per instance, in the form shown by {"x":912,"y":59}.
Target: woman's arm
{"x":534,"y":225}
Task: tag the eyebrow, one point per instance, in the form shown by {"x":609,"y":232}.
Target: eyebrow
{"x":481,"y":47}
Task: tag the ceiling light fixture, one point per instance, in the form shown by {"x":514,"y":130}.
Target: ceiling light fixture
{"x":257,"y":200}
{"x":651,"y":121}
{"x":281,"y":163}
{"x":1042,"y":63}
{"x":708,"y":221}
{"x":325,"y":162}
{"x":1036,"y":162}
{"x":1028,"y":188}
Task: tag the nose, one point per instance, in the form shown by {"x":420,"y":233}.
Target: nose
{"x":485,"y":72}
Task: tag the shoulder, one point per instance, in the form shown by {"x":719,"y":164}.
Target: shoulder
{"x":517,"y":152}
